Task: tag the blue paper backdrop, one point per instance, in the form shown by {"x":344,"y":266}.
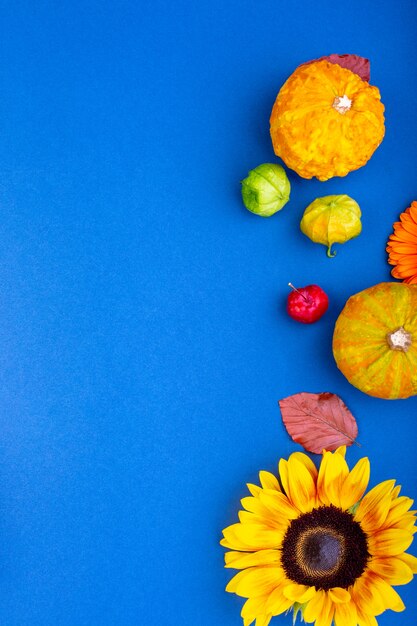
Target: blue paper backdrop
{"x":143,"y":334}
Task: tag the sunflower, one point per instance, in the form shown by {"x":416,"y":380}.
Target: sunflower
{"x":315,"y":543}
{"x":402,"y":246}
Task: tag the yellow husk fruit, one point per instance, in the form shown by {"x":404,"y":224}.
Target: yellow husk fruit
{"x":326,"y":121}
{"x":332,"y":219}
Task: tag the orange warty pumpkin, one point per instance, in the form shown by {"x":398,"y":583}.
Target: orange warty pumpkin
{"x":326,"y":121}
{"x":375,"y":340}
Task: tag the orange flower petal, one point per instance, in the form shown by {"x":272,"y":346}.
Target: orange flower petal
{"x":412,"y":211}
{"x":402,"y":246}
{"x":410,"y":227}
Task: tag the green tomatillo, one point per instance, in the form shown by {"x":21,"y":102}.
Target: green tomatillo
{"x":266,"y":189}
{"x":332,"y":219}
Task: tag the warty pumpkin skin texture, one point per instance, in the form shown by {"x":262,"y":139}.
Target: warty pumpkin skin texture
{"x":375,"y":340}
{"x":326,"y":121}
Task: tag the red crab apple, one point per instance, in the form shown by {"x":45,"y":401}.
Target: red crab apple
{"x":307,"y":304}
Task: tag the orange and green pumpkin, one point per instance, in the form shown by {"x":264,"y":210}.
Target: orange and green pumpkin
{"x":375,"y":340}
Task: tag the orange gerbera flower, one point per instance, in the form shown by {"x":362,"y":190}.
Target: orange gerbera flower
{"x":402,"y":246}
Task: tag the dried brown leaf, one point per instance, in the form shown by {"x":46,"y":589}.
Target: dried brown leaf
{"x":318,"y":421}
{"x":353,"y":62}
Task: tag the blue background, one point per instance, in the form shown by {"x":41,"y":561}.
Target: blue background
{"x":144,"y":339}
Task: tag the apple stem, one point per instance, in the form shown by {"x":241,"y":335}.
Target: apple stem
{"x":295,"y":289}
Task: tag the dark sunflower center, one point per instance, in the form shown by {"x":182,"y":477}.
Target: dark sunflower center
{"x":321,"y":550}
{"x":325,"y":548}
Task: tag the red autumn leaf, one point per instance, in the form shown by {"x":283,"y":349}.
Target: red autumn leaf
{"x":318,"y":421}
{"x":353,"y":62}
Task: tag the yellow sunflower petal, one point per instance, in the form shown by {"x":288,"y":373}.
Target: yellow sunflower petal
{"x":257,"y":512}
{"x":407,"y":522}
{"x":339,"y":595}
{"x":277,"y":603}
{"x":366,"y":596}
{"x":332,"y":474}
{"x":302,"y":489}
{"x":391,"y":569}
{"x":390,"y":597}
{"x":269,"y":481}
{"x":317,"y":606}
{"x":252,"y":608}
{"x":341,"y":450}
{"x":305,"y":460}
{"x":278,"y":504}
{"x":326,"y":618}
{"x":399,"y":506}
{"x":391,"y":542}
{"x":299,"y":593}
{"x":241,"y":560}
{"x":250,"y":518}
{"x":373,"y":509}
{"x":283,"y":475}
{"x":409,"y":560}
{"x":254,"y":489}
{"x":319,"y":610}
{"x":255,"y":581}
{"x":251,"y":537}
{"x":252,"y":504}
{"x":263,"y":620}
{"x":355,"y":484}
{"x":345,"y":614}
{"x":366,"y":620}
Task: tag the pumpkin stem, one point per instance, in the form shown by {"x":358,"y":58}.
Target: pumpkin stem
{"x":342,"y":103}
{"x":330,"y":254}
{"x":399,"y":339}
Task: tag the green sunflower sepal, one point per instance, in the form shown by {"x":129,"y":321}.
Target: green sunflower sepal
{"x":298,"y":609}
